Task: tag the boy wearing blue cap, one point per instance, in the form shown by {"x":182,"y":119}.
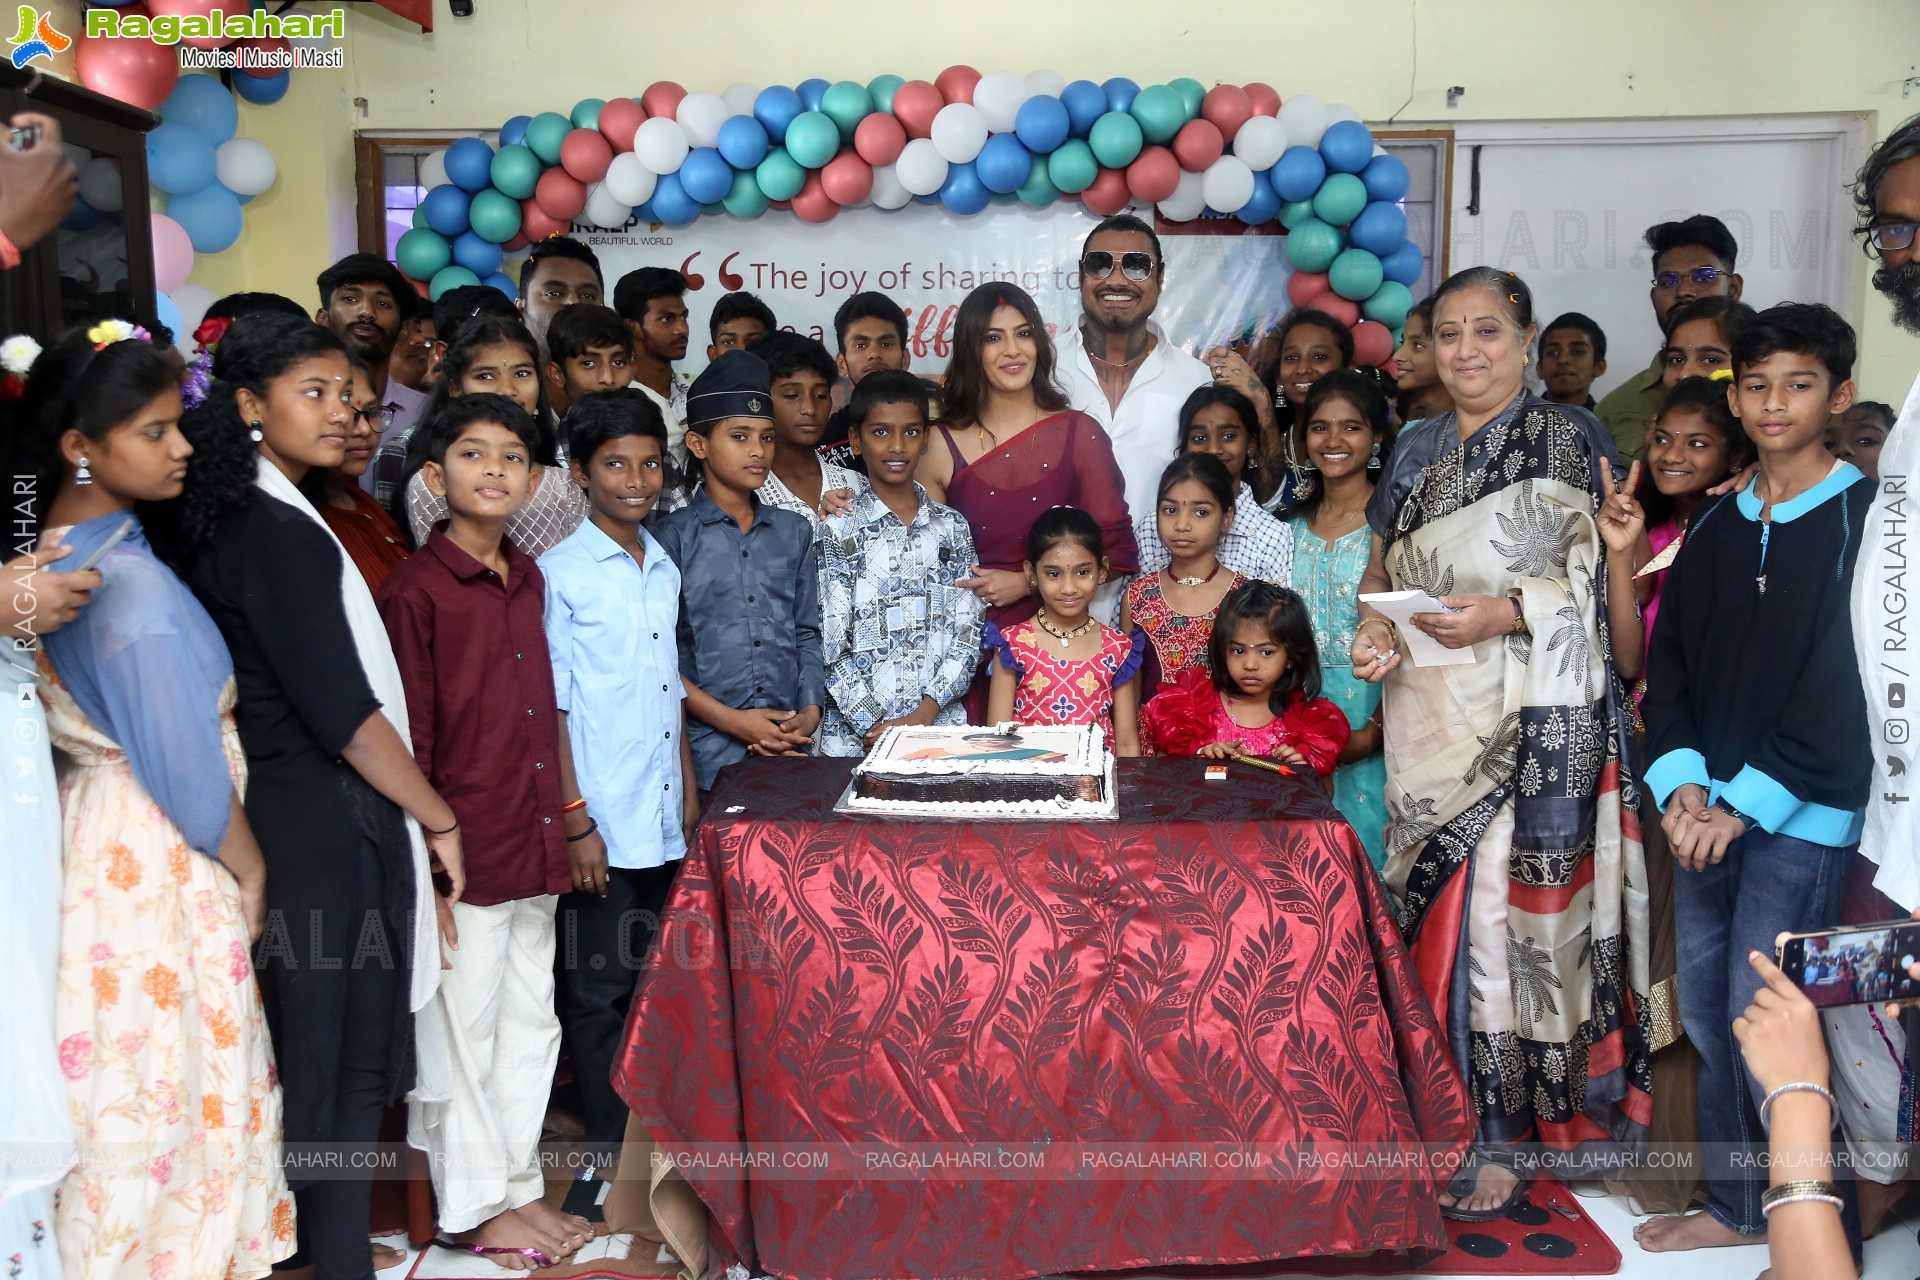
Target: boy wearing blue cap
{"x":749,"y":628}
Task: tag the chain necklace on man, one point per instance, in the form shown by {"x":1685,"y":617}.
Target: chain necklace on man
{"x":1065,"y":637}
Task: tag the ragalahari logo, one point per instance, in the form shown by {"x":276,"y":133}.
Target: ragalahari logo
{"x":37,"y":38}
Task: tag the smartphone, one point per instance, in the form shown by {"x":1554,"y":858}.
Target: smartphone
{"x":1862,"y":964}
{"x":99,"y":553}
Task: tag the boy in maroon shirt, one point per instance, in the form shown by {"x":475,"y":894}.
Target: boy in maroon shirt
{"x":465,"y":617}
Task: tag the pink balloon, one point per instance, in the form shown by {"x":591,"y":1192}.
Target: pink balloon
{"x":212,"y":9}
{"x":516,"y":244}
{"x":1198,"y":144}
{"x":138,"y":72}
{"x":1227,"y":107}
{"x":956,"y":83}
{"x":585,"y":154}
{"x":1372,"y":344}
{"x":536,"y":224}
{"x":1345,"y":311}
{"x":1303,"y":286}
{"x":272,"y":44}
{"x":1154,"y":175}
{"x":879,"y":138}
{"x":915,"y":104}
{"x":1264,"y":98}
{"x":172,"y":254}
{"x":1108,"y":195}
{"x":560,"y":195}
{"x":813,"y":204}
{"x":662,"y":98}
{"x":848,"y":179}
{"x":618,"y":119}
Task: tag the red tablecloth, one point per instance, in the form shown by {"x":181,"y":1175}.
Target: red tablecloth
{"x":1029,"y":1048}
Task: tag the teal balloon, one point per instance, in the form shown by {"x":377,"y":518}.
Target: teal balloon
{"x":714,"y":209}
{"x":545,"y":134}
{"x":1116,"y":140}
{"x":419,"y":217}
{"x":1355,"y":275}
{"x":1038,"y":191}
{"x":515,"y":171}
{"x":1005,"y":197}
{"x":780,"y":175}
{"x":1295,"y":212}
{"x":746,"y":199}
{"x":1072,"y":167}
{"x":847,"y":103}
{"x":1389,"y":304}
{"x":1192,"y":94}
{"x":1313,"y":245}
{"x":812,"y":140}
{"x":586,"y":113}
{"x":422,"y":253}
{"x":495,"y":216}
{"x":882,"y":88}
{"x":450,"y":278}
{"x":1340,"y":199}
{"x":1159,"y":112}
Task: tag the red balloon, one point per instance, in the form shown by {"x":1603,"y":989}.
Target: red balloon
{"x":537,"y":224}
{"x":813,"y":204}
{"x":560,"y":195}
{"x":1264,"y":98}
{"x":586,"y":155}
{"x":847,"y":179}
{"x":212,"y":9}
{"x":516,"y":244}
{"x":1154,"y":175}
{"x":1109,"y":195}
{"x":956,"y":83}
{"x":879,"y":138}
{"x":139,"y":72}
{"x":1198,"y":144}
{"x":421,"y":287}
{"x":1372,"y":344}
{"x":1341,"y":309}
{"x":1227,"y":107}
{"x":915,"y":104}
{"x":618,"y":119}
{"x":1302,"y":286}
{"x":662,"y":98}
{"x":269,"y":44}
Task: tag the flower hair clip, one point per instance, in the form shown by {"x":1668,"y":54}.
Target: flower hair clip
{"x":199,"y":380}
{"x":17,"y":355}
{"x":1721,"y":375}
{"x":108,"y":332}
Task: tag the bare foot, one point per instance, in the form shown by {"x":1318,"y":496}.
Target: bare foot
{"x":1876,"y":1201}
{"x":385,"y":1255}
{"x":575,"y":1230}
{"x":1673,"y":1232}
{"x":511,"y":1231}
{"x":1492,"y":1185}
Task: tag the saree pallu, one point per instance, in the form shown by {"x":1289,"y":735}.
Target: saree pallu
{"x":1513,"y":846}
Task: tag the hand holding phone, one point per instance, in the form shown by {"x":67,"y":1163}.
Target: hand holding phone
{"x":1861,"y":964}
{"x":99,"y":553}
{"x":36,"y":179}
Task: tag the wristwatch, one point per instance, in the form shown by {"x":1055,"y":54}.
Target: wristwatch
{"x":1519,"y":613}
{"x":1723,"y":806}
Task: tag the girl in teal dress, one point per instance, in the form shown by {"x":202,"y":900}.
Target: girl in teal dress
{"x":1343,"y":432}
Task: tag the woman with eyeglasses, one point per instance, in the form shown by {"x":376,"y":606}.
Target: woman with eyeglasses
{"x":373,"y":541}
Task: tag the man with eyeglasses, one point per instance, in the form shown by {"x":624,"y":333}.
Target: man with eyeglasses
{"x":1692,"y":258}
{"x":1117,"y":365}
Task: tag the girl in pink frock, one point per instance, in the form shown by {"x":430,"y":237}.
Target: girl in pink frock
{"x":1259,"y":694}
{"x":1062,"y":666}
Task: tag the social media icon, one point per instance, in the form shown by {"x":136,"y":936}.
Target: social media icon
{"x":1895,"y":766}
{"x":1895,"y":730}
{"x":1896,"y":695}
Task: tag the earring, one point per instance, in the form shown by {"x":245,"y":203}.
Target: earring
{"x":1373,"y":459}
{"x":83,"y":475}
{"x":256,"y":433}
{"x":1279,"y":397}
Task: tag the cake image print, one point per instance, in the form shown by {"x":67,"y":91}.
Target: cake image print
{"x":981,"y":745}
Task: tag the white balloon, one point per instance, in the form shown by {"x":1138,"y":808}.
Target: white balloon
{"x":739,"y":98}
{"x":998,"y":97}
{"x":1305,"y":119}
{"x":958,"y":132}
{"x":661,"y":144}
{"x":1187,"y":200}
{"x":193,"y":301}
{"x":245,"y":166}
{"x":1259,"y":142}
{"x":100,"y":185}
{"x":1227,"y":184}
{"x":1379,"y":150}
{"x":1045,"y":83}
{"x":629,"y":180}
{"x":433,"y":170}
{"x":605,"y":209}
{"x":77,"y":155}
{"x":921,"y":169}
{"x":888,"y":192}
{"x":701,"y":115}
{"x":1341,"y":111}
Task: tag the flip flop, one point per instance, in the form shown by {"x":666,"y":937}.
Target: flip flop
{"x":1467,"y":1181}
{"x":540,"y":1260}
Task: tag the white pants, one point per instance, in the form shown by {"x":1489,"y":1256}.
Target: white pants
{"x":506,"y":1038}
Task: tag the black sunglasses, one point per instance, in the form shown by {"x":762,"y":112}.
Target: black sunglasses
{"x":1098,"y":265}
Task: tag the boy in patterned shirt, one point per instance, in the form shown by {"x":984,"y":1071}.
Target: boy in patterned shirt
{"x":901,"y":641}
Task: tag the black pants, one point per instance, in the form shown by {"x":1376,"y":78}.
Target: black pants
{"x":601,"y":948}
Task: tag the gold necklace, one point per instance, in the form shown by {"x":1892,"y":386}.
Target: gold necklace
{"x":1198,"y":582}
{"x":1064,"y":637}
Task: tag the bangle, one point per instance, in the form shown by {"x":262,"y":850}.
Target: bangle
{"x":9,"y":254}
{"x":1796,"y":1086}
{"x":1797,"y":1193}
{"x":1519,"y":613}
{"x":449,"y":831}
{"x":592,"y":827}
{"x":571,"y":805}
{"x":1393,"y":632}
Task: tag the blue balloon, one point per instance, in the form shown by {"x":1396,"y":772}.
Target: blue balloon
{"x":482,"y":257}
{"x":445,"y":209}
{"x":705,"y":176}
{"x":963,"y":193}
{"x":1120,"y":93}
{"x":1403,"y":264}
{"x":671,"y":203}
{"x":1003,"y":164}
{"x":1085,"y":102}
{"x":209,"y":216}
{"x":514,"y":132}
{"x":263,"y":90}
{"x":167,"y":312}
{"x":180,"y":160}
{"x":930,"y":198}
{"x":501,"y":281}
{"x":775,"y":109}
{"x":202,"y":104}
{"x":1262,"y":205}
{"x":1386,"y":178}
{"x":1044,"y":123}
{"x":645,"y":213}
{"x":812,"y":91}
{"x":81,"y":217}
{"x":1379,"y":229}
{"x":1347,"y":146}
{"x":743,"y":142}
{"x":1299,"y":174}
{"x":469,"y":164}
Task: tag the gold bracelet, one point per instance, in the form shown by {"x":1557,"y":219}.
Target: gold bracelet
{"x":1393,"y":632}
{"x":1798,"y":1192}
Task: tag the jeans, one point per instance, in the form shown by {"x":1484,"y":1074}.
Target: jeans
{"x":1766,"y":885}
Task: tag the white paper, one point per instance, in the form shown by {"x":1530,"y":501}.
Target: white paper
{"x":1422,"y":650}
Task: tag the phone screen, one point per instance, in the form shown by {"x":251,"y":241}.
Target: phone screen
{"x":1860,"y":965}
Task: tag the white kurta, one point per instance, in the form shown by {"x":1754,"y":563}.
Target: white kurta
{"x":1144,"y":429}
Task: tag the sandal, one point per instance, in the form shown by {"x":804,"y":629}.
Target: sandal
{"x":1467,"y":1181}
{"x":540,"y":1260}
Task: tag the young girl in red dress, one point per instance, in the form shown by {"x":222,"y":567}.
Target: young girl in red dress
{"x":1062,"y":666}
{"x":1175,"y":606}
{"x":1259,"y":694}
